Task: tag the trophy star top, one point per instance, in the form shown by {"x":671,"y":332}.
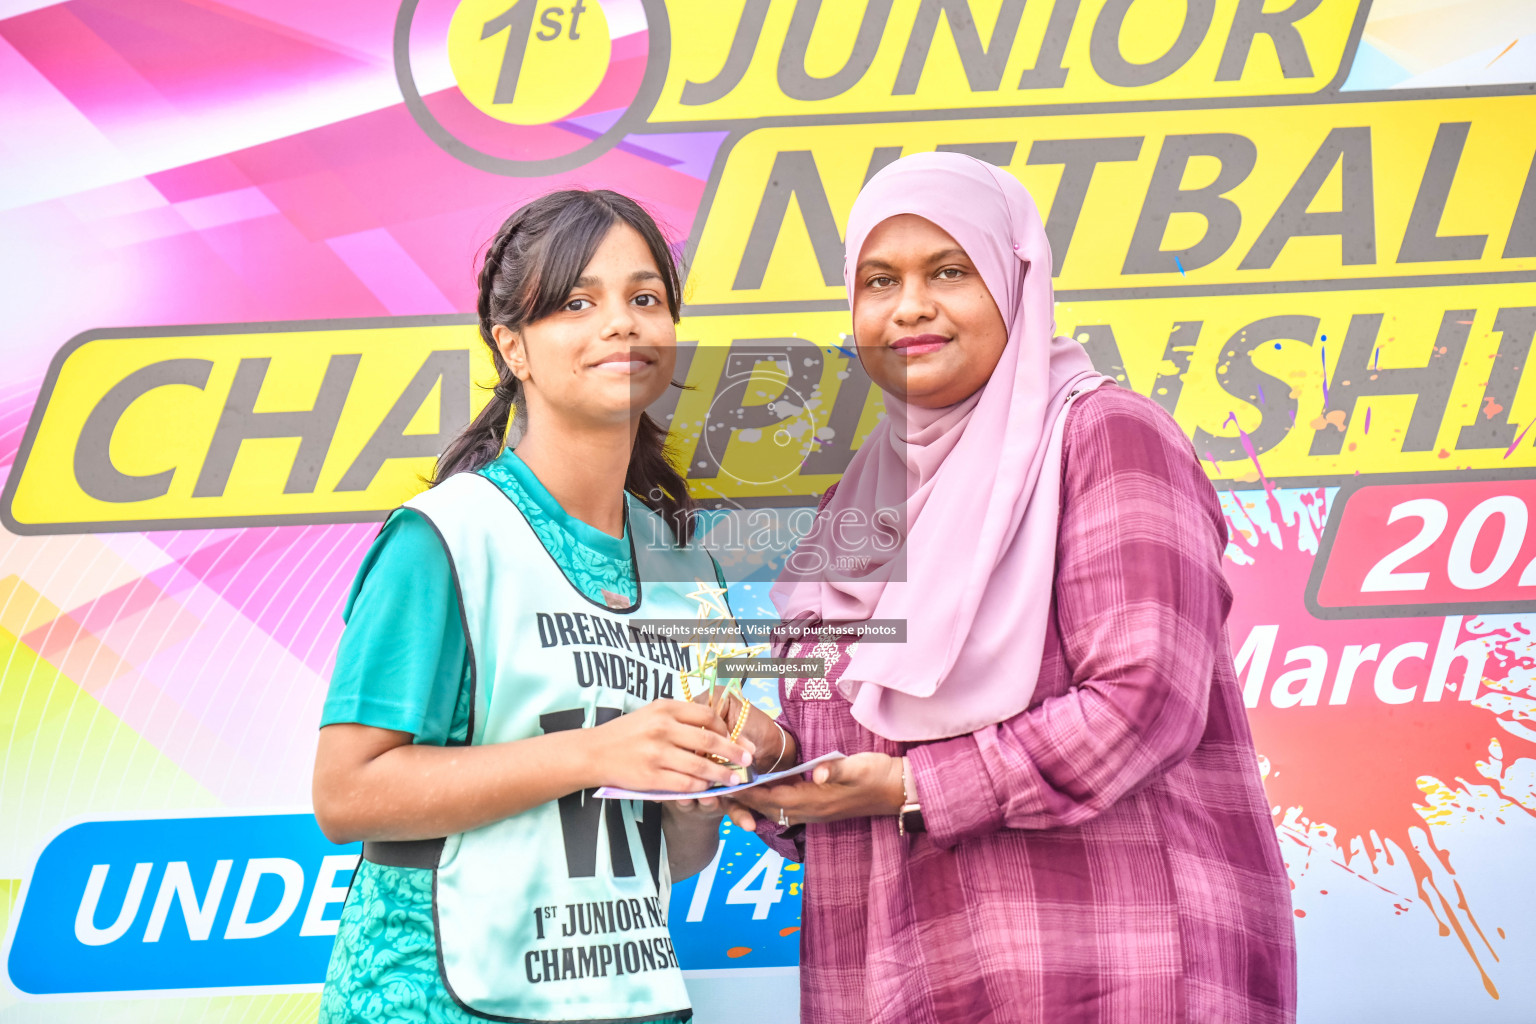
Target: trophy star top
{"x":711,"y":600}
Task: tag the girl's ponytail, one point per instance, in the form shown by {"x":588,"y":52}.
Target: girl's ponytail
{"x":530,"y":267}
{"x":480,"y":442}
{"x":654,"y":479}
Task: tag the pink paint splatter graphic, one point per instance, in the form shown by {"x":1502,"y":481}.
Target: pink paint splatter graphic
{"x":1377,"y":734}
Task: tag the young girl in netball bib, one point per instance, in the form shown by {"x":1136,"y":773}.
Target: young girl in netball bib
{"x":492,"y":672}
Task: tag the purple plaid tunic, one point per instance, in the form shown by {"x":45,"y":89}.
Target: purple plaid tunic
{"x":1108,"y":854}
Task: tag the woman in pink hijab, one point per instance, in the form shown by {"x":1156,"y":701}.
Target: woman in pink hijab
{"x":1052,"y":810}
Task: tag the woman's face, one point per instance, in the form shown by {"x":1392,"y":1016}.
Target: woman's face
{"x":610,"y":350}
{"x":926,"y":327}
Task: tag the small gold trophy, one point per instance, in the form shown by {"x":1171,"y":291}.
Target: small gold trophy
{"x":705,"y":675}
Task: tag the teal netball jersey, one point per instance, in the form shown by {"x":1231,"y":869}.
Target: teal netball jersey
{"x":603,"y":954}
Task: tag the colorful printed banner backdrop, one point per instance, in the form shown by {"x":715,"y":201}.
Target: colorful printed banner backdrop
{"x":240,"y":239}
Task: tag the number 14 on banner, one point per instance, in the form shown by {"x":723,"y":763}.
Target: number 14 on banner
{"x":759,"y":888}
{"x":742,"y":910}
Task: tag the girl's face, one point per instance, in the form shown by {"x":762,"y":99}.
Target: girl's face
{"x":609,"y":351}
{"x":926,"y":327}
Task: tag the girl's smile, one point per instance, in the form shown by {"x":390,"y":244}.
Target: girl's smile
{"x":625,"y":362}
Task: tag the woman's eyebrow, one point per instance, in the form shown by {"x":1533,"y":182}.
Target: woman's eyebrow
{"x":588,"y":281}
{"x":953,"y":252}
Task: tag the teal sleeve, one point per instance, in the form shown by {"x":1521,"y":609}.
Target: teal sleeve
{"x":402,"y":658}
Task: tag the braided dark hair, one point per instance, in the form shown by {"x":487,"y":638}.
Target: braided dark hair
{"x":530,"y":267}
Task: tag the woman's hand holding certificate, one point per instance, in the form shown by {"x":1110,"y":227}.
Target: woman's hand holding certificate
{"x":857,"y":786}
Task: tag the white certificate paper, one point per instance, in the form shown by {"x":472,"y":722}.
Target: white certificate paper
{"x":614,"y":793}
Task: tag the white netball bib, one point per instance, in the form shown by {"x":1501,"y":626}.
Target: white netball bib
{"x":559,"y":913}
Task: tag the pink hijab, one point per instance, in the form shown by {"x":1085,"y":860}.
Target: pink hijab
{"x":971,"y":491}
